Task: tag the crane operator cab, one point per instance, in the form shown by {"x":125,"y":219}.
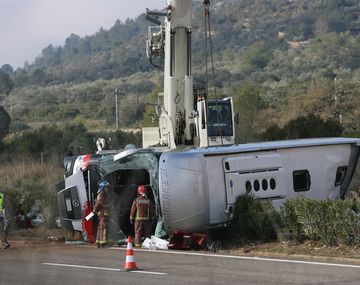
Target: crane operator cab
{"x":215,"y":124}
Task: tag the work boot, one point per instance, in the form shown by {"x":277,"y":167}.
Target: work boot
{"x":102,"y":244}
{"x":6,"y":245}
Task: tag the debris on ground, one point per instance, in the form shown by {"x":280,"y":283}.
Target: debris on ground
{"x":74,"y":242}
{"x":198,"y":241}
{"x":154,"y":243}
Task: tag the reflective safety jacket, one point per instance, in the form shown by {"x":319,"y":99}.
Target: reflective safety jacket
{"x":1,"y":201}
{"x":142,"y":209}
{"x":102,"y":205}
{"x":2,"y":206}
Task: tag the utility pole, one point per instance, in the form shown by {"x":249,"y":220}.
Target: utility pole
{"x":339,"y":94}
{"x":116,"y":109}
{"x":137,"y":103}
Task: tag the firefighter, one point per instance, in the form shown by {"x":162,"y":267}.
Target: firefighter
{"x":142,"y":212}
{"x":102,"y":210}
{"x":3,"y":222}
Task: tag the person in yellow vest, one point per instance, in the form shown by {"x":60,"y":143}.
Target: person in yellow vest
{"x":3,"y":222}
{"x":142,"y":212}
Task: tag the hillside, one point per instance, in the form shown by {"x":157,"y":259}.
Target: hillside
{"x":290,"y":51}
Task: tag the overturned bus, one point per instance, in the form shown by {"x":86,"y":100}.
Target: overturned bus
{"x":196,"y":189}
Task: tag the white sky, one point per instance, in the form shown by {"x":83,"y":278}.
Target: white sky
{"x":28,"y":26}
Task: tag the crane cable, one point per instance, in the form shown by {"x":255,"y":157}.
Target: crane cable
{"x":206,"y":11}
{"x":207,"y":29}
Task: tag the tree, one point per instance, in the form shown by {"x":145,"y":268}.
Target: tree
{"x":247,"y":102}
{"x":18,"y":126}
{"x":72,"y":46}
{"x":50,"y":57}
{"x":4,"y":123}
{"x":258,"y":55}
{"x":38,"y":76}
{"x":273,"y":133}
{"x":7,"y":68}
{"x":6,"y":84}
{"x":310,"y":126}
{"x":20,"y":77}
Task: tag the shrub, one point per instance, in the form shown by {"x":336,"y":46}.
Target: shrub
{"x":31,"y":184}
{"x":330,"y":222}
{"x":4,"y":122}
{"x":304,"y":127}
{"x":290,"y":219}
{"x":18,"y":126}
{"x":254,"y":219}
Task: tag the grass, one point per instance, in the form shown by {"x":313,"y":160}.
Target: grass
{"x":31,"y":184}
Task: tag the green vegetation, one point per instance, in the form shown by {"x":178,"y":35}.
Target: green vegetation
{"x":328,"y":222}
{"x":4,"y":123}
{"x":289,"y":52}
{"x":51,"y":143}
{"x":31,"y":184}
{"x":6,"y":84}
{"x":254,"y":220}
{"x":247,"y":102}
{"x":304,"y":127}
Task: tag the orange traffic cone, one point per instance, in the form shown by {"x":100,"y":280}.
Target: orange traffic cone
{"x":130,"y":263}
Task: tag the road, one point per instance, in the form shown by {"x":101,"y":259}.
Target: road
{"x":88,"y":265}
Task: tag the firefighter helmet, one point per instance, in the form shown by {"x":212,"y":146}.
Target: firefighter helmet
{"x":141,"y":190}
{"x":102,"y":185}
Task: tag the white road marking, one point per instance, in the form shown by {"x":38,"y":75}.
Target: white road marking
{"x":102,"y":268}
{"x":248,"y":258}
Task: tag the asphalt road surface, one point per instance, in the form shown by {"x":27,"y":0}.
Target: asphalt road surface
{"x":87,"y":265}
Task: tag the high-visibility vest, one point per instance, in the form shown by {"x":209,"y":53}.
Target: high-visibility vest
{"x":1,"y":202}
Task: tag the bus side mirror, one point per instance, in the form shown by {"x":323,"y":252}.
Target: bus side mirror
{"x":236,"y":118}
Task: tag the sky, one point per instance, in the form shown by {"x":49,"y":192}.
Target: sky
{"x":28,"y":26}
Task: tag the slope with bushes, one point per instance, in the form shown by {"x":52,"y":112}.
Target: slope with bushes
{"x":291,"y":51}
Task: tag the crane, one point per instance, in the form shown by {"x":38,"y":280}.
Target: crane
{"x":186,"y":116}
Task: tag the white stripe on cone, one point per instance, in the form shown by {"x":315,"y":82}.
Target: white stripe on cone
{"x":130,"y":258}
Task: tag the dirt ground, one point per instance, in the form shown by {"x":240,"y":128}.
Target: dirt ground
{"x":40,"y":236}
{"x":306,"y":249}
{"x":37,"y":237}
